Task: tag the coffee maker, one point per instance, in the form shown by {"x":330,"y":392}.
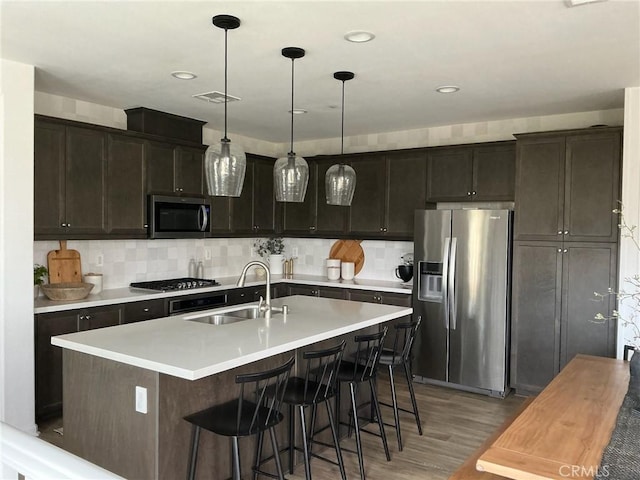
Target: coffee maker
{"x":405,"y":270}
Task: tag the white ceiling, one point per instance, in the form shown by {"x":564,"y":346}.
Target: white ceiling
{"x":511,"y":59}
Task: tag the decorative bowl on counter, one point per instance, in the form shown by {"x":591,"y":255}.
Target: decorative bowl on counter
{"x":66,"y":291}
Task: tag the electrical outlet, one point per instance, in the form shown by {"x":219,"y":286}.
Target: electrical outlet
{"x":99,"y":260}
{"x":141,"y":399}
{"x":207,"y":254}
{"x":294,"y":251}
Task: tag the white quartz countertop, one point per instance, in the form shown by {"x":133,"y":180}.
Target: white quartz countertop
{"x":124,"y":295}
{"x":191,"y":350}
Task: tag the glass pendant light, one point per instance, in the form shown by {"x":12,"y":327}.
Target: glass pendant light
{"x":340,"y":180}
{"x":291,"y":173}
{"x":225,"y":164}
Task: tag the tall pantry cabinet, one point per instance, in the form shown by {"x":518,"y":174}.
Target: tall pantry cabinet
{"x":565,"y":249}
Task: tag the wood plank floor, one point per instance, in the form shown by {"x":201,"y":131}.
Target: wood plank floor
{"x":454,"y":424}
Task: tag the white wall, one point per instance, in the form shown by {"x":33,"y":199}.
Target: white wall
{"x":629,"y":255}
{"x":16,"y":246}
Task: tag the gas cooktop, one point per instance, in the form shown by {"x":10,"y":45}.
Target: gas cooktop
{"x":187,"y":283}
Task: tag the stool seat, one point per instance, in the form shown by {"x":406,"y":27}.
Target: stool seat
{"x":301,"y":391}
{"x":224,"y":419}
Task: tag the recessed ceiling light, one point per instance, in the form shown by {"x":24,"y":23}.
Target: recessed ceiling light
{"x":298,"y":111}
{"x":359,"y":36}
{"x":183,"y":75}
{"x":447,"y":89}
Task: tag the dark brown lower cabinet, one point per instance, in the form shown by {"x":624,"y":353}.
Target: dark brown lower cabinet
{"x":145,"y":310}
{"x":48,"y":361}
{"x":554,"y":308}
{"x":314,"y":291}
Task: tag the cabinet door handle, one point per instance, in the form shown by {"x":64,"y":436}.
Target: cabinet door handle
{"x":68,"y":225}
{"x":81,"y":317}
{"x":87,"y":317}
{"x":312,"y":228}
{"x":468,"y":194}
{"x":145,"y":309}
{"x":473,"y":193}
{"x":564,"y":251}
{"x":566,"y":232}
{"x":559,"y":232}
{"x":63,"y":224}
{"x":384,"y":229}
{"x":559,"y":250}
{"x":146,"y":225}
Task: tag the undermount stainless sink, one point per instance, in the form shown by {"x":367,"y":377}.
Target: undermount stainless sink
{"x":224,"y":318}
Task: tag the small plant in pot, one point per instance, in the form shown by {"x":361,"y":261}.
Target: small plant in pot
{"x":40,"y":272}
{"x":271,"y":249}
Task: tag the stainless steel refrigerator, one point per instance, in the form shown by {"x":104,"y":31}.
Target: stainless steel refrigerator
{"x":462,"y":265}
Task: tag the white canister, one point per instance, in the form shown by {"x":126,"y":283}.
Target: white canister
{"x":96,"y":280}
{"x":333,"y":268}
{"x":275,"y":264}
{"x":348,"y":270}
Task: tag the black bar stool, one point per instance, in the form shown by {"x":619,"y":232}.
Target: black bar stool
{"x":256,"y":410}
{"x":362,"y":369}
{"x":317,"y":386}
{"x":400,"y":355}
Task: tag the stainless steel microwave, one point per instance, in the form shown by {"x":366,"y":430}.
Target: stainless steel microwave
{"x":178,"y":217}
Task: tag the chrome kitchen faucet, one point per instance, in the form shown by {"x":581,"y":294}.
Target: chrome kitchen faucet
{"x":265,"y":308}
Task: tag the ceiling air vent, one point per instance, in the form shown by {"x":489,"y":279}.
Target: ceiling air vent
{"x":215,"y":97}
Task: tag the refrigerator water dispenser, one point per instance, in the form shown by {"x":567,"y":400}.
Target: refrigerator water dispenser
{"x":430,"y":282}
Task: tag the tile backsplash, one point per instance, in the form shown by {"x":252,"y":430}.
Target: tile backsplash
{"x":125,"y":261}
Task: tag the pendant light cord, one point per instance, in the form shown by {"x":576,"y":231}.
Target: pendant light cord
{"x":292,"y":84}
{"x":225,"y":86}
{"x":342,"y":132}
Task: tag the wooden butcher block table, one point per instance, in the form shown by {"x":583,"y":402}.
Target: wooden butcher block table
{"x":564,"y":431}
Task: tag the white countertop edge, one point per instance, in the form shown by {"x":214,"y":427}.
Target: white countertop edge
{"x":229,"y":364}
{"x":127,"y":295}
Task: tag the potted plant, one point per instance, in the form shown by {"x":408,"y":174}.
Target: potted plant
{"x":39,"y":274}
{"x":271,"y":249}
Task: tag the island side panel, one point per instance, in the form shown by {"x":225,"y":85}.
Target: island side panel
{"x":100,"y":420}
{"x":179,"y":398}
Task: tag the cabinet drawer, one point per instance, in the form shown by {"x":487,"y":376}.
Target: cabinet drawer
{"x":146,"y":310}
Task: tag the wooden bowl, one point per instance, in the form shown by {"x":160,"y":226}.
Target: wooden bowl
{"x":66,"y":291}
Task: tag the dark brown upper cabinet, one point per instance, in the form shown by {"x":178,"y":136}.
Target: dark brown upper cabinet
{"x":389,"y":188}
{"x":567,"y":185}
{"x":471,"y":173}
{"x":70,"y":184}
{"x":126,"y":190}
{"x":174,"y":169}
{"x":314,"y":217}
{"x":253,"y":212}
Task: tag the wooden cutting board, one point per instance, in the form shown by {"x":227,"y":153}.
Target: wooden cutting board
{"x":348,"y":251}
{"x":64,"y":265}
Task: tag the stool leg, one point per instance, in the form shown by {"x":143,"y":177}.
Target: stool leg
{"x":379,"y":415}
{"x":412,"y":394}
{"x":312,"y":429}
{"x":235,"y":458}
{"x":394,"y":400}
{"x":292,"y":436}
{"x":276,"y":452}
{"x":193,"y":453}
{"x":258,"y":460}
{"x":305,"y":444}
{"x":354,"y":409}
{"x":336,"y":442}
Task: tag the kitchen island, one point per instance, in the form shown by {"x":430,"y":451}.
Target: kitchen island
{"x":184,"y":366}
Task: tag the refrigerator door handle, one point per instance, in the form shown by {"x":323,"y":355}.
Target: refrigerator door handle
{"x":451,"y":287}
{"x":445,"y":276}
